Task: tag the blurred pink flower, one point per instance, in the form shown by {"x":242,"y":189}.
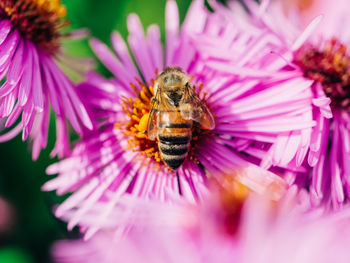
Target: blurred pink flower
{"x":119,"y":216}
{"x":118,"y":160}
{"x":7,"y":216}
{"x":317,"y":74}
{"x":267,"y":232}
{"x":31,"y":80}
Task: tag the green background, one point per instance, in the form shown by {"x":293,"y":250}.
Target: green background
{"x":34,"y":227}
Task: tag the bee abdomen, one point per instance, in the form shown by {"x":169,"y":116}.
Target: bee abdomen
{"x":174,"y":149}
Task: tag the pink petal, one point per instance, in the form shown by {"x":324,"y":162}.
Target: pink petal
{"x":5,"y":28}
{"x":26,"y":82}
{"x":136,"y":41}
{"x":37,"y":81}
{"x":171,"y":29}
{"x":17,"y":65}
{"x":8,"y":47}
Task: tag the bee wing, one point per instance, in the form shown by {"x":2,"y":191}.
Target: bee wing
{"x":153,"y":118}
{"x":193,"y":108}
{"x":158,"y":105}
{"x":152,"y":124}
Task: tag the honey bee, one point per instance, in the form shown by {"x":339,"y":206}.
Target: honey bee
{"x":174,"y":109}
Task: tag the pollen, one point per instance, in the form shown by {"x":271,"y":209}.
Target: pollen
{"x":331,"y":68}
{"x":142,"y":127}
{"x":52,"y":6}
{"x":137,"y":110}
{"x":37,"y":20}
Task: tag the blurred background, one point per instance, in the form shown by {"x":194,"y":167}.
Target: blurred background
{"x":27,"y":225}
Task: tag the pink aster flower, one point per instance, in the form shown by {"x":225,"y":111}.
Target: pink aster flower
{"x":119,"y":159}
{"x":316,"y":64}
{"x":31,"y":79}
{"x":264,"y":232}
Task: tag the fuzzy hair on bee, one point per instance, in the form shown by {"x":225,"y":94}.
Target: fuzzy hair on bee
{"x":175,"y":107}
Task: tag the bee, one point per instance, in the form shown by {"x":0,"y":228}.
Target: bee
{"x":174,"y":109}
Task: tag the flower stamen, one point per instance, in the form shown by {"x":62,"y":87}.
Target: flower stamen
{"x":331,"y":68}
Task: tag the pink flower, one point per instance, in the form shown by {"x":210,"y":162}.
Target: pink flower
{"x":316,"y":67}
{"x":307,"y":10}
{"x":119,"y":160}
{"x":29,"y":50}
{"x":7,"y":216}
{"x":266,"y":233}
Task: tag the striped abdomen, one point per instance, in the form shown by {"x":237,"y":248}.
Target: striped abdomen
{"x":174,"y":142}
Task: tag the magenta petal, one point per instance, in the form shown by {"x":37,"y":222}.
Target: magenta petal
{"x":8,"y":103}
{"x":5,"y":28}
{"x":37,"y":81}
{"x":62,"y":146}
{"x":54,"y":94}
{"x":26,"y":83}
{"x":140,"y":50}
{"x":172,"y":30}
{"x":69,"y":109}
{"x":111,"y":62}
{"x":76,"y":102}
{"x":14,"y":115}
{"x":8,"y":47}
{"x":123,"y":53}
{"x":6,"y":88}
{"x":195,"y":20}
{"x":154,"y":45}
{"x":11,"y":134}
{"x":28,"y":117}
{"x":28,"y":111}
{"x":17,"y":65}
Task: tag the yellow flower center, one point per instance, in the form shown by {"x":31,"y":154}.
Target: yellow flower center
{"x":136,"y":128}
{"x":54,"y":6}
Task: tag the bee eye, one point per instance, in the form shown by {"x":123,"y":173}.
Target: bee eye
{"x":165,"y":79}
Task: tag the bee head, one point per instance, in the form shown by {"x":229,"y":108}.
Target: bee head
{"x":172,"y":83}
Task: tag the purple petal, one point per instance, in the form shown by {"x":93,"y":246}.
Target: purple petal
{"x":14,"y":115}
{"x":8,"y":47}
{"x":11,"y":134}
{"x":111,"y":62}
{"x":54,"y":94}
{"x":172,"y":30}
{"x":17,"y":65}
{"x":6,"y":88}
{"x":137,"y":42}
{"x":123,"y":53}
{"x":154,"y":45}
{"x":76,"y":102}
{"x":26,"y":82}
{"x":37,"y":81}
{"x":5,"y":28}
